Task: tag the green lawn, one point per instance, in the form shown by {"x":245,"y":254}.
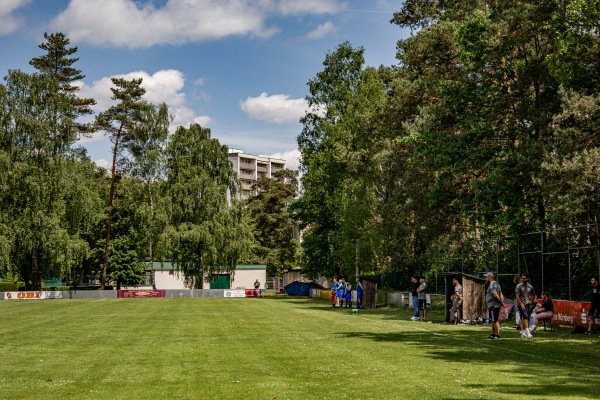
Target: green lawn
{"x":275,"y":348}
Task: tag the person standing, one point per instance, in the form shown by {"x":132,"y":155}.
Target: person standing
{"x":359,"y":293}
{"x":526,"y":297}
{"x":340,"y":292}
{"x":517,"y":280}
{"x":334,"y":299}
{"x":456,"y":301}
{"x":348,"y":294}
{"x":257,"y":288}
{"x":495,"y":301}
{"x":415,"y":298}
{"x":594,"y":311}
{"x":422,"y":291}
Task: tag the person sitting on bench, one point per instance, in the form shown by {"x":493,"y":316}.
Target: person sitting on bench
{"x":544,"y":310}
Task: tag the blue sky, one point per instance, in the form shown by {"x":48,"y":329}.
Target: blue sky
{"x":238,"y":67}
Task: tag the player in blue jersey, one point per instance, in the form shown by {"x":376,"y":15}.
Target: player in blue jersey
{"x":359,"y":293}
{"x":348,"y":294}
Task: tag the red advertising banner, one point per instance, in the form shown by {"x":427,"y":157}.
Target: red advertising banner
{"x":122,"y":294}
{"x":573,"y":313}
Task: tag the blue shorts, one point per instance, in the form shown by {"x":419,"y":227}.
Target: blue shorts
{"x":525,"y":312}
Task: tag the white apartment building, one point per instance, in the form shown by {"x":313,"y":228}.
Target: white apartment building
{"x":250,"y":167}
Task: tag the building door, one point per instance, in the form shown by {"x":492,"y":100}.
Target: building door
{"x":220,"y":282}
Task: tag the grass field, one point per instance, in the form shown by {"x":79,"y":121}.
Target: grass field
{"x":276,"y":348}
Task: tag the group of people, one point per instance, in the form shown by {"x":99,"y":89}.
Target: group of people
{"x":342,"y":291}
{"x":529,"y":311}
{"x":419,"y":298}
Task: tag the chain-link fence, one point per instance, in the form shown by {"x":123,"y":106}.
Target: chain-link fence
{"x":559,"y":261}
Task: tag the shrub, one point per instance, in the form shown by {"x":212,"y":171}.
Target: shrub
{"x":9,"y":286}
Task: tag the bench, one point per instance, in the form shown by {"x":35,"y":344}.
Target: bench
{"x":547,"y":321}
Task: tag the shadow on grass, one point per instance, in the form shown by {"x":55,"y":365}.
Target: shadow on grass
{"x":539,"y":362}
{"x":551,"y":359}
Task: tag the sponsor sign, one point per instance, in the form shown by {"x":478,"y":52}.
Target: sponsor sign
{"x":572,"y":313}
{"x":234,"y":293}
{"x":41,"y":295}
{"x":122,"y":294}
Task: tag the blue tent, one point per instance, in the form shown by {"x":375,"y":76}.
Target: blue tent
{"x":301,"y":288}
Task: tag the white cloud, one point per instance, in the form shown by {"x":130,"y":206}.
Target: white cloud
{"x":8,"y":21}
{"x":291,"y":157}
{"x":132,"y":24}
{"x":278,"y":108}
{"x":104,"y":164}
{"x":296,"y":7}
{"x":321,"y":31}
{"x":162,"y":86}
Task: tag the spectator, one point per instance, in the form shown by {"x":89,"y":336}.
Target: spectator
{"x":526,"y":297}
{"x":415,"y":298}
{"x":543,"y":311}
{"x":257,"y":288}
{"x":456,"y":301}
{"x":516,"y":281}
{"x":494,"y":300}
{"x":422,"y":291}
{"x":594,"y":311}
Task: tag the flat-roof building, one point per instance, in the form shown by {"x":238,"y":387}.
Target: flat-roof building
{"x":250,"y":167}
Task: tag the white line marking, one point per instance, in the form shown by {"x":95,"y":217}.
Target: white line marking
{"x":95,"y":301}
{"x":487,"y":345}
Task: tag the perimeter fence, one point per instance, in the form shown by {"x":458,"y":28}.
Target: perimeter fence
{"x":559,"y":261}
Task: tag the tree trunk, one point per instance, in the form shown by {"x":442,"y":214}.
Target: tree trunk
{"x":110,"y":207}
{"x":36,"y":283}
{"x":356,"y":266}
{"x":150,"y":254}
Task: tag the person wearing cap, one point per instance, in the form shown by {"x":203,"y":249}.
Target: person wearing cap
{"x":526,"y":298}
{"x":494,"y":300}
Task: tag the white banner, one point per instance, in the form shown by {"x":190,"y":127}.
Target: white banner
{"x":32,"y":295}
{"x":234,"y":293}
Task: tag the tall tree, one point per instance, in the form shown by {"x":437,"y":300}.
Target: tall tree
{"x":207,"y":233}
{"x":149,"y":165}
{"x":499,"y":89}
{"x":38,"y":180}
{"x":271,"y":221}
{"x":57,"y":64}
{"x":339,"y":142}
{"x":120,"y":122}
